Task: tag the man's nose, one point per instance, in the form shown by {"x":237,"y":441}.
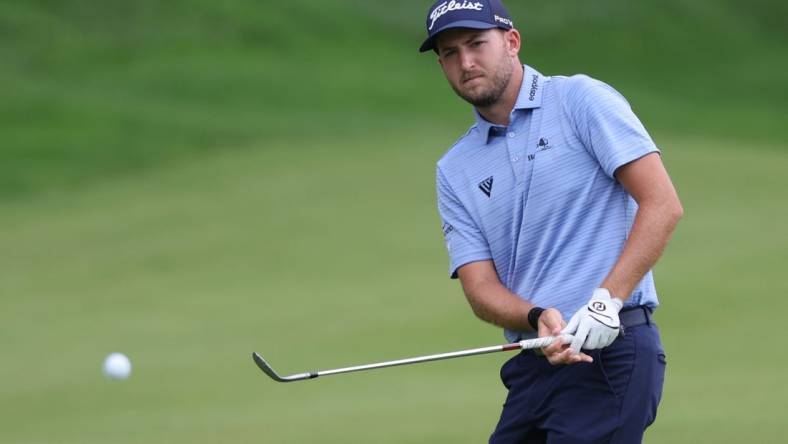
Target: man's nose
{"x":466,"y":59}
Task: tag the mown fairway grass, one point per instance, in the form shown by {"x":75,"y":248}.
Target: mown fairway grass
{"x":191,"y":181}
{"x":330,"y":256}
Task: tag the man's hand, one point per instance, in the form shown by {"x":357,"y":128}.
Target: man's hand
{"x":596,"y":325}
{"x":550,"y":324}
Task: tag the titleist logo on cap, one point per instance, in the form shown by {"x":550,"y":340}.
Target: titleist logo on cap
{"x":453,"y":5}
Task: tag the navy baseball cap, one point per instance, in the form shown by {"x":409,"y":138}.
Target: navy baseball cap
{"x":481,"y":14}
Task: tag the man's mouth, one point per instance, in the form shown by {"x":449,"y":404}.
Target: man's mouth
{"x":473,"y":77}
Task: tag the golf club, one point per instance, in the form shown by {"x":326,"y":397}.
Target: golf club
{"x":526,"y":344}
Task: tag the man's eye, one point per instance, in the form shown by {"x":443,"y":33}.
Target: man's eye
{"x":449,"y":52}
{"x":477,"y":43}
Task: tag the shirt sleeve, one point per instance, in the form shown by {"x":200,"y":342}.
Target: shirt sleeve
{"x":465,"y":243}
{"x":606,"y":124}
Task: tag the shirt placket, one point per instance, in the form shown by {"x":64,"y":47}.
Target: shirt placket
{"x":516,"y":137}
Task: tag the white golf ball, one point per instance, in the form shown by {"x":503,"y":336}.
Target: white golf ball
{"x":117,"y":366}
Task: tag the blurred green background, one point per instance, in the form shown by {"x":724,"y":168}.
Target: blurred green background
{"x":190,"y":181}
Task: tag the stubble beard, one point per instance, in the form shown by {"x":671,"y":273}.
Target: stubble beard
{"x":490,"y":96}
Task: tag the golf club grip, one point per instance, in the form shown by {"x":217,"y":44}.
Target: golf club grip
{"x":529,"y":344}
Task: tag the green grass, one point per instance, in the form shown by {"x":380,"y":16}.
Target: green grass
{"x":722,"y":292}
{"x":329,"y":256}
{"x":189,"y":181}
{"x":99,"y":89}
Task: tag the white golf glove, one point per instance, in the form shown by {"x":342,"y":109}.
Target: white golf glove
{"x":595,"y":325}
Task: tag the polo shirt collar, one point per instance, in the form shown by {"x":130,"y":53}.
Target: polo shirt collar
{"x":529,"y":97}
{"x":531,"y":90}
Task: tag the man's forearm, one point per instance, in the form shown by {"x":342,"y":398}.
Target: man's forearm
{"x":659,"y":210}
{"x":490,"y":300}
{"x":497,"y":305}
{"x":654,"y":224}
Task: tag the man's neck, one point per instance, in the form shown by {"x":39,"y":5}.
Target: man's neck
{"x":498,"y":113}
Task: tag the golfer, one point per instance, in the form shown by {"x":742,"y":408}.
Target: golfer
{"x":555,"y":206}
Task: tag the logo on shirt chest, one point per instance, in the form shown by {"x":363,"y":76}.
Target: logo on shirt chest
{"x":542,"y":145}
{"x":486,"y":186}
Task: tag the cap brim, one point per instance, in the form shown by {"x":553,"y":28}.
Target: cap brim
{"x":471,"y":24}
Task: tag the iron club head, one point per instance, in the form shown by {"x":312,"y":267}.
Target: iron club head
{"x":268,"y":370}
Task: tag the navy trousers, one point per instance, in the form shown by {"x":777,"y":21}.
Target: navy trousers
{"x":611,"y":400}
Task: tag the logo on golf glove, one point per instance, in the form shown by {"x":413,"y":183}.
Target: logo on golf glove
{"x":596,"y":325}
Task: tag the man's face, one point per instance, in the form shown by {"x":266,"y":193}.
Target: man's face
{"x":477,"y":63}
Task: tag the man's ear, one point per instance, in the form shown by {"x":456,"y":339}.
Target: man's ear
{"x":513,"y":42}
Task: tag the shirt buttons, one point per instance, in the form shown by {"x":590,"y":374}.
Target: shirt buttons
{"x":511,"y":134}
{"x":515,"y":159}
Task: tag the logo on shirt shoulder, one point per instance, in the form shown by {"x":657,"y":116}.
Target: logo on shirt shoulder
{"x":486,"y":186}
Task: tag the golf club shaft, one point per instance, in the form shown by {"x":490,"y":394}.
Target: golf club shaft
{"x":419,"y":359}
{"x":524,"y":345}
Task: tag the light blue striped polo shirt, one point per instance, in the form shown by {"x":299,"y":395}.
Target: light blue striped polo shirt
{"x":539,"y":197}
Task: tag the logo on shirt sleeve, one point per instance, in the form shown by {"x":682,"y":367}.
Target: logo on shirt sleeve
{"x":486,"y":186}
{"x":447,"y":228}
